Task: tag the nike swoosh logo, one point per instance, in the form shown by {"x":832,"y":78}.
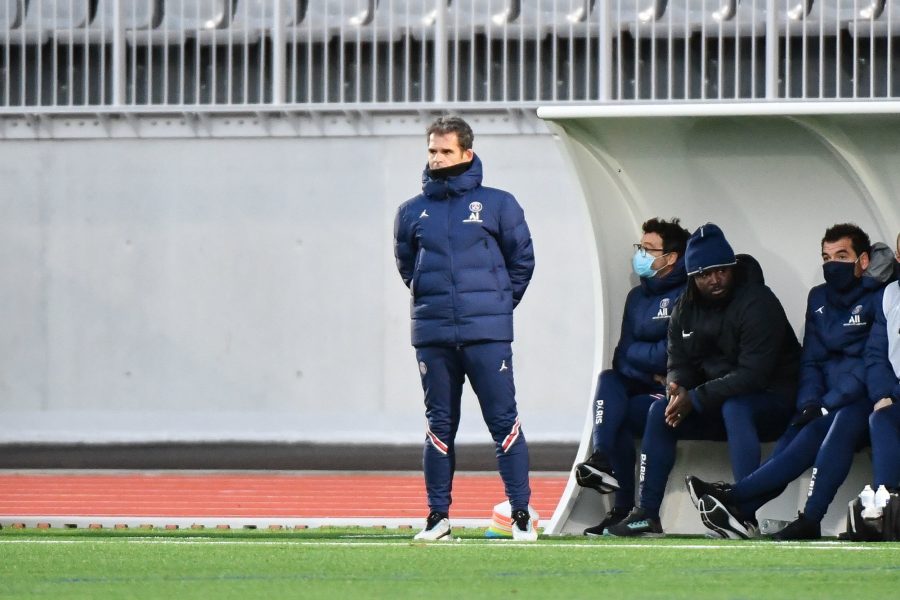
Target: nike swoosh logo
{"x":687,"y":334}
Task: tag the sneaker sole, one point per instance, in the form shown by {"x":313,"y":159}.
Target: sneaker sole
{"x":717,"y":518}
{"x":589,"y":477}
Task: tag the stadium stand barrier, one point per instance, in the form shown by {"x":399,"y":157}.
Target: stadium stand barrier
{"x":835,"y":161}
{"x":326,"y":55}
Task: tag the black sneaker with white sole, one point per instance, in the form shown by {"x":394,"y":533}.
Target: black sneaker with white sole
{"x":698,"y":488}
{"x":596,"y":473}
{"x":725,"y":520}
{"x":613,"y":517}
{"x":800,"y":529}
{"x":636,"y":524}
{"x":522,"y":526}
{"x":437,"y":527}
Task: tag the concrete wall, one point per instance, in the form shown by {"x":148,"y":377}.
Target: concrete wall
{"x":245,"y":289}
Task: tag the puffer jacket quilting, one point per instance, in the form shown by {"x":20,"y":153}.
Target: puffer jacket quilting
{"x":465,"y":252}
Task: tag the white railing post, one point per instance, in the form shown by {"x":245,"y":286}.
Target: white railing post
{"x":771,"y":51}
{"x":279,"y":50}
{"x":119,"y":73}
{"x":440,"y":52}
{"x":605,"y":60}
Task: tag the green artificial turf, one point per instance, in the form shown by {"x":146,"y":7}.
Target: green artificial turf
{"x":365,"y":563}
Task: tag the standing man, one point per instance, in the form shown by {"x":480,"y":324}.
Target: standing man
{"x":883,"y":377}
{"x":465,"y":253}
{"x":638,"y":375}
{"x":732,"y":367}
{"x":833,"y":402}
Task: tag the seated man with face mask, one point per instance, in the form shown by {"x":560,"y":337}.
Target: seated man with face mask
{"x":833,"y":403}
{"x":731,"y":371}
{"x":625,"y":392}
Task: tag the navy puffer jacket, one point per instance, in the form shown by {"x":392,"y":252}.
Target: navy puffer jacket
{"x":838,"y":324}
{"x":641,"y":351}
{"x":465,"y":252}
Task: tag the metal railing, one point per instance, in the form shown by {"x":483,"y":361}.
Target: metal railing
{"x":59,"y":55}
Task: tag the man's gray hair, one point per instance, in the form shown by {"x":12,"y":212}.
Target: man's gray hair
{"x":453,"y":124}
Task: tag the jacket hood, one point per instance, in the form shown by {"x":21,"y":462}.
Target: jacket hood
{"x":882,"y":266}
{"x":749,"y":270}
{"x":657,"y":285}
{"x":452,"y":186}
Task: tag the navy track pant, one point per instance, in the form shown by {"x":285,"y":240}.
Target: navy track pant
{"x":826,"y":444}
{"x":620,"y":411}
{"x":884,"y":428}
{"x":489,"y":368}
{"x":740,"y":421}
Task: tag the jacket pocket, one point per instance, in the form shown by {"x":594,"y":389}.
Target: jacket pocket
{"x":417,"y":270}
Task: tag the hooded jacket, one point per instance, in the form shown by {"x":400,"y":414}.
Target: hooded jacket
{"x":465,"y":252}
{"x":833,"y":368}
{"x":883,"y":348}
{"x":641,"y":351}
{"x":741,"y":345}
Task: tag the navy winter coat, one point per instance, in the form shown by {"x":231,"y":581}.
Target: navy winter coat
{"x":641,"y":351}
{"x":833,"y":367}
{"x":465,"y":253}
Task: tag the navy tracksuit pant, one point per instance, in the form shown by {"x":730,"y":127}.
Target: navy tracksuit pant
{"x":741,"y":421}
{"x":489,"y":368}
{"x":827,"y":444}
{"x":620,"y":411}
{"x":884,"y":428}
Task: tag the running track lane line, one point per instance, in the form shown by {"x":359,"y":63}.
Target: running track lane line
{"x":244,"y":496}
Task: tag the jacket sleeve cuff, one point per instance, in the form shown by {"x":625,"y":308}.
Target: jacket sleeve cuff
{"x":695,"y":401}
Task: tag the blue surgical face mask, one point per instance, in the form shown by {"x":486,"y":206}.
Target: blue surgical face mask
{"x":642,"y":263}
{"x":840,"y":276}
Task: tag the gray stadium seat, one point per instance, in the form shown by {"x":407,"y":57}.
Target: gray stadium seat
{"x":187,"y":19}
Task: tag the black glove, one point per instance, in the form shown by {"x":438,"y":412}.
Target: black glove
{"x":807,"y":416}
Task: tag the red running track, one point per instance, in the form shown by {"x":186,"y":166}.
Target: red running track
{"x":314,"y":495}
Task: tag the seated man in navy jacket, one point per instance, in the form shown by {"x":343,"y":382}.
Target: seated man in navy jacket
{"x":625,"y":392}
{"x":731,"y":371}
{"x":833,"y":403}
{"x":883,"y":377}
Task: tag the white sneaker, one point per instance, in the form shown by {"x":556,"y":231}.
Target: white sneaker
{"x":437,"y":527}
{"x":522,"y":528}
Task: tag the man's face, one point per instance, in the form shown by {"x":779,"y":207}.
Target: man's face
{"x":444,"y":151}
{"x":715,"y":284}
{"x":842,"y":251}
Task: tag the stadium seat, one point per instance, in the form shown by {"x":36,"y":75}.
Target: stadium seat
{"x":351,"y":20}
{"x":875,"y":18}
{"x":136,"y":15}
{"x":199,"y":20}
{"x":712,"y":18}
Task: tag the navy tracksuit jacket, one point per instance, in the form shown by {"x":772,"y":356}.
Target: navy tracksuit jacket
{"x":624,"y":393}
{"x":833,"y":377}
{"x":465,"y":252}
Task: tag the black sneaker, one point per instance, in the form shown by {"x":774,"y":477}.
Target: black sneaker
{"x":522,"y":527}
{"x":613,"y":517}
{"x":698,"y":488}
{"x":801,"y":529}
{"x":725,"y":519}
{"x":596,"y":473}
{"x":636,"y":524}
{"x":437,"y":527}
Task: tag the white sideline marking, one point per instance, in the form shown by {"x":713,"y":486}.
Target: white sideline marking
{"x":767,"y":546}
